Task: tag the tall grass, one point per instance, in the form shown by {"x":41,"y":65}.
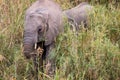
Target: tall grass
{"x":93,"y":54}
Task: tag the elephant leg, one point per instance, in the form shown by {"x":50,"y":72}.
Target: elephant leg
{"x":38,"y":66}
{"x":50,"y":62}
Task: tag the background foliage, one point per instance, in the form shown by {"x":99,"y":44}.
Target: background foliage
{"x":92,"y":55}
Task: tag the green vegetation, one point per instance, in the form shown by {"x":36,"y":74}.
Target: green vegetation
{"x":93,"y":54}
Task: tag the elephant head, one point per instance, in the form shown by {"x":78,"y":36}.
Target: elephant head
{"x":35,"y":28}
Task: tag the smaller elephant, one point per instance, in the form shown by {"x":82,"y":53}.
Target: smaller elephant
{"x":78,"y":15}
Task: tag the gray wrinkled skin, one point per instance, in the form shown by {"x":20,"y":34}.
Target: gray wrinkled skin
{"x":44,"y":20}
{"x":78,"y":15}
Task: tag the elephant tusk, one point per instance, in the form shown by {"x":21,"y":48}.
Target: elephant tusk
{"x":35,"y":46}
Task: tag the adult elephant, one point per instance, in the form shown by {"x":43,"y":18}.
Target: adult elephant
{"x":43,"y":23}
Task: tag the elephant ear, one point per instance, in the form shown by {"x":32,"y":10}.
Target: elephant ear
{"x":71,"y":21}
{"x":42,"y":13}
{"x":70,"y":18}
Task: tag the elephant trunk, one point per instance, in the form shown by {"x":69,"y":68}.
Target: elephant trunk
{"x":28,"y":44}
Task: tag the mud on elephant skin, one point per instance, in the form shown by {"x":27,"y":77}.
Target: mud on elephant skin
{"x":43,"y":22}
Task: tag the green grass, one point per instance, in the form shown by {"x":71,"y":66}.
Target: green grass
{"x":91,"y":55}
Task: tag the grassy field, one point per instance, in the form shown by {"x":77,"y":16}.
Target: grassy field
{"x":91,"y":55}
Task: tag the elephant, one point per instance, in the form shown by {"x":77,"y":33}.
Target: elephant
{"x":78,"y":15}
{"x":42,"y":24}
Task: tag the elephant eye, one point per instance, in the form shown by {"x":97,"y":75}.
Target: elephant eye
{"x":39,"y":29}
